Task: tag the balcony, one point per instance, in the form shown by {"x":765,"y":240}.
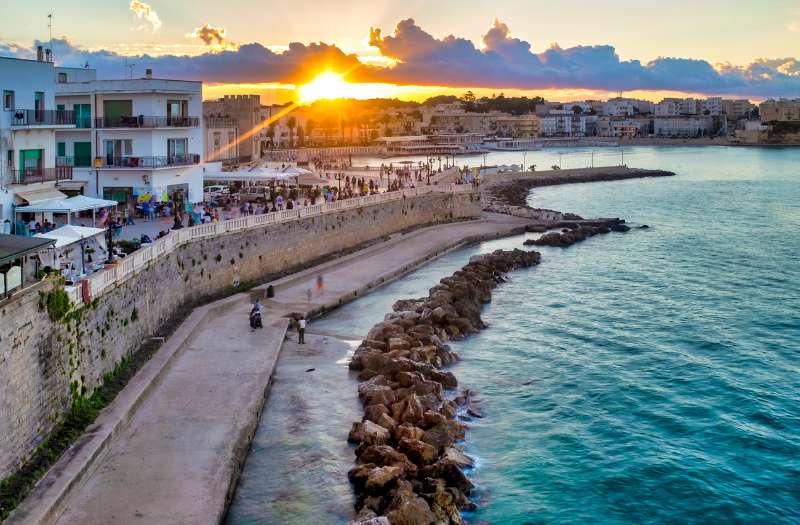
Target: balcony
{"x":150,"y":162}
{"x":41,"y":117}
{"x":142,"y":121}
{"x":62,"y":171}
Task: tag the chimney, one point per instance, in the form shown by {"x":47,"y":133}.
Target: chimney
{"x":48,"y":57}
{"x":40,"y":53}
{"x":148,"y":73}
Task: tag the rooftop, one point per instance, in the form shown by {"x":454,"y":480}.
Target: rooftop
{"x":14,"y":246}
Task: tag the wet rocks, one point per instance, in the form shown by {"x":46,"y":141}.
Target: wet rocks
{"x":574,"y":232}
{"x":409,"y":466}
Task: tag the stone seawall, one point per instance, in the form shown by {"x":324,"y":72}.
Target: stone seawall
{"x":43,"y":363}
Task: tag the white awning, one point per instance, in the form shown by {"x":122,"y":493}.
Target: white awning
{"x":254,"y":175}
{"x":69,"y":234}
{"x":70,"y":205}
{"x":44,"y":194}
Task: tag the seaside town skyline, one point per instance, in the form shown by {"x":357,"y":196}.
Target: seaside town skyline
{"x":405,"y":52}
{"x":399,"y":263}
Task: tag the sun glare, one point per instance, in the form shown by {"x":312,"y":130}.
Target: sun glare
{"x":326,"y":85}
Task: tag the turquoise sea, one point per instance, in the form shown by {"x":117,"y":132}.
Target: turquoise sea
{"x":646,"y":377}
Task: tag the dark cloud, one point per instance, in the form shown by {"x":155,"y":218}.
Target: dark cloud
{"x":504,"y":61}
{"x":501,"y":62}
{"x":247,"y":63}
{"x":212,"y":36}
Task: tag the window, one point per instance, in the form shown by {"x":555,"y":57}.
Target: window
{"x":177,"y":147}
{"x":8,"y":100}
{"x":118,"y":148}
{"x":62,"y":78}
{"x":177,"y":108}
{"x":217,"y":139}
{"x":38,"y":101}
{"x":62,"y":149}
{"x":10,"y":158}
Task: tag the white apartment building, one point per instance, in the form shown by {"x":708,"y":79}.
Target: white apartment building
{"x":132,"y":137}
{"x":563,"y":123}
{"x":686,"y":126}
{"x":619,"y":107}
{"x":30,"y":164}
{"x":673,"y":107}
{"x":712,"y":106}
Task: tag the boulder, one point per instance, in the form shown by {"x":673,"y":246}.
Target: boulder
{"x":417,"y":451}
{"x":406,"y":508}
{"x":381,"y":478}
{"x":374,"y":434}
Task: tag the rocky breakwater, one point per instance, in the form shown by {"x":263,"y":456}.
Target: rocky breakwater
{"x":409,"y":466}
{"x":574,"y":232}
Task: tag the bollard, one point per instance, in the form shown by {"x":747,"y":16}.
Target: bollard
{"x":270,"y":292}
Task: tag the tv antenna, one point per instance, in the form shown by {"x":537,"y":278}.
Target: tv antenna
{"x":129,"y":67}
{"x":50,"y":30}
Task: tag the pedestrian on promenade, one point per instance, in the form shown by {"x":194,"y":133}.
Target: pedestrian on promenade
{"x":301,"y":330}
{"x":309,"y":293}
{"x":320,"y":285}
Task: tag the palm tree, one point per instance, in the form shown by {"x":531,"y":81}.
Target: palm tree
{"x":300,"y":136}
{"x":291,"y":122}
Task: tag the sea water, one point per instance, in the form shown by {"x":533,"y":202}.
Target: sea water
{"x":645,"y":377}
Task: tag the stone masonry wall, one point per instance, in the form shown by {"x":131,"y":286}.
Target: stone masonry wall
{"x":41,"y":359}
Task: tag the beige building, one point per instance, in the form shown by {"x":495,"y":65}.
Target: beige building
{"x":221,"y":136}
{"x":782,"y":110}
{"x":246,"y":111}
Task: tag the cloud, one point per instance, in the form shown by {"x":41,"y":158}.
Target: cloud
{"x":212,"y":36}
{"x":147,"y":13}
{"x":501,"y":62}
{"x":507,"y":62}
{"x":248,"y":63}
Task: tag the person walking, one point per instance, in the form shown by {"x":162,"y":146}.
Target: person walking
{"x":301,"y":330}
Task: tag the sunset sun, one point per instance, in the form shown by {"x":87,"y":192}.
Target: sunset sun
{"x":327,"y":85}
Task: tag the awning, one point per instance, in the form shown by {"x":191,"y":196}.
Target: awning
{"x":69,"y":234}
{"x":72,"y":185}
{"x":70,"y":205}
{"x":15,"y":246}
{"x":44,"y":194}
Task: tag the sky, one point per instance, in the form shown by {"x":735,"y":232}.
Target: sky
{"x":570,"y":49}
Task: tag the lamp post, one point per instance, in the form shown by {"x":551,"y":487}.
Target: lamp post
{"x":524,"y":156}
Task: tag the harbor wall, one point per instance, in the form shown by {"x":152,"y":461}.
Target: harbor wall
{"x":44,"y":363}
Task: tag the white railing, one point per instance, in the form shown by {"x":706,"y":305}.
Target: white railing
{"x":134,"y":262}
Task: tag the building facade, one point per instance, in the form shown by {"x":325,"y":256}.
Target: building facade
{"x":249,"y":115}
{"x":31,"y":162}
{"x":133,"y":137}
{"x":221,"y":139}
{"x":563,"y":123}
{"x":686,"y":127}
{"x":783,"y":110}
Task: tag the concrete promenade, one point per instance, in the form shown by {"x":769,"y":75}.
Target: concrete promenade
{"x":169,"y":449}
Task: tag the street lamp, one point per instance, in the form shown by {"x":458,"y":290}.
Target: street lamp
{"x":524,"y":156}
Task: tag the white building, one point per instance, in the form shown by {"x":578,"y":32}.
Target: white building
{"x":687,"y":126}
{"x":30,"y":163}
{"x":712,"y":106}
{"x":563,"y":123}
{"x":619,"y":107}
{"x":133,"y":136}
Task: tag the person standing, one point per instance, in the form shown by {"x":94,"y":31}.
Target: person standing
{"x":301,"y":330}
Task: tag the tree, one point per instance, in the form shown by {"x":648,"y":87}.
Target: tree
{"x":271,"y":133}
{"x":469,"y":101}
{"x":577,"y":110}
{"x":301,"y":138}
{"x":310,"y":125}
{"x":291,"y":122}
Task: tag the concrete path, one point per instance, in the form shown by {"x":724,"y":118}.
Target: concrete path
{"x":172,"y":464}
{"x":177,"y":459}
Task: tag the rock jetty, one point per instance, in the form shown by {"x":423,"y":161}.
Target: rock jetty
{"x":410,"y":469}
{"x":574,"y":232}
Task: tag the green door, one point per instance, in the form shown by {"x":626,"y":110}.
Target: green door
{"x":114,"y":110}
{"x":30,"y":163}
{"x":62,"y":149}
{"x":83,"y":154}
{"x":83,"y":115}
